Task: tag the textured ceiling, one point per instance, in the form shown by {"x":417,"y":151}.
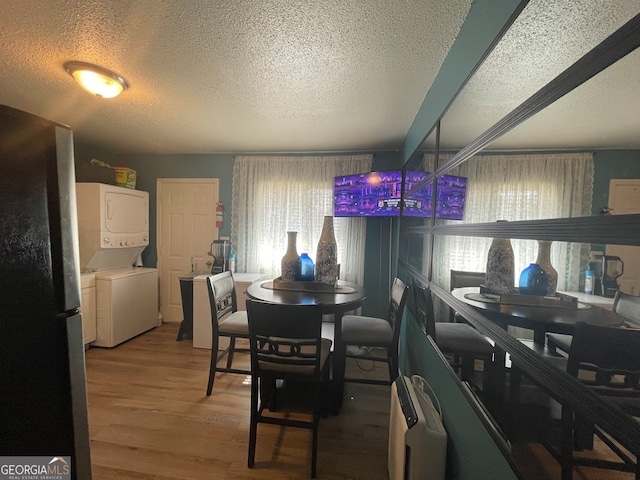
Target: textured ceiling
{"x":212,"y":76}
{"x":239,"y":76}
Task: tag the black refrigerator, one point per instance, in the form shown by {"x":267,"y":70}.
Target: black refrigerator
{"x":43,"y":399}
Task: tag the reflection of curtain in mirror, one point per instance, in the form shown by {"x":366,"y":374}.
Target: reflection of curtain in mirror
{"x":273,"y":195}
{"x":521,"y":187}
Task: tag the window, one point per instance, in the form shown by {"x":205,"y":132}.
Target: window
{"x":273,"y":195}
{"x":521,"y":187}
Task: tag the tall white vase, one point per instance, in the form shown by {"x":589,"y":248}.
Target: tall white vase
{"x":500,"y":266}
{"x":544,"y":260}
{"x":327,"y":254}
{"x":291,"y":264}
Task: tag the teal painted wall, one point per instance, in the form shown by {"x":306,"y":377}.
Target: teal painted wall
{"x":150,"y":168}
{"x":611,"y":164}
{"x":83,"y":153}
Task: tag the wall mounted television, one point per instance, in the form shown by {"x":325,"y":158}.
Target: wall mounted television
{"x":452,"y":192}
{"x":373,"y":194}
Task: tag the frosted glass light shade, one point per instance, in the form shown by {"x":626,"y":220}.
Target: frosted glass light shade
{"x":97,"y":80}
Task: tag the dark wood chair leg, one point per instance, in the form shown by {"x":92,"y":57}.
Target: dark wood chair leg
{"x":583,"y":435}
{"x":253,"y":427}
{"x":214,"y":362}
{"x":392,"y":361}
{"x":232,"y":347}
{"x":339,"y":357}
{"x":314,"y":447}
{"x":467,"y":367}
{"x":566,"y":443}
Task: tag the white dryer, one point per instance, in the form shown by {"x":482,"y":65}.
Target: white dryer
{"x":126,"y":304}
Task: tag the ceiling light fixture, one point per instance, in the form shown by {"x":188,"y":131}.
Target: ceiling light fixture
{"x":97,"y":80}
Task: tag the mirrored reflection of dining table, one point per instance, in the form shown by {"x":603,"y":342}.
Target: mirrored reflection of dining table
{"x":345,"y":297}
{"x":538,"y":318}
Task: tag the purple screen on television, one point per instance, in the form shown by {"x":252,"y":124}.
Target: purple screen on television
{"x":451,"y":196}
{"x":373,"y":194}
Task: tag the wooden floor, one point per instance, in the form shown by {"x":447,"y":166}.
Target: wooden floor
{"x":149,"y":418}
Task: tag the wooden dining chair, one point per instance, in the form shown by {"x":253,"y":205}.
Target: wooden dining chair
{"x":458,"y":339}
{"x":373,"y":332}
{"x":625,"y":305}
{"x":286,"y":343}
{"x":226,"y":321}
{"x":606,"y":360}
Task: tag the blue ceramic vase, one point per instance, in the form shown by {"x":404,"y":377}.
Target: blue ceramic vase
{"x":534,"y":281}
{"x":306,"y":272}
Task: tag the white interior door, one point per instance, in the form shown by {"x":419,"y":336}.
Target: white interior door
{"x":186,"y":228}
{"x":624,"y":198}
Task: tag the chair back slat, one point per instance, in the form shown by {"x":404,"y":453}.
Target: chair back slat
{"x":462,"y":278}
{"x":285,"y":337}
{"x":222,"y":295}
{"x":424,"y":308}
{"x":606,"y":357}
{"x":398,"y":299}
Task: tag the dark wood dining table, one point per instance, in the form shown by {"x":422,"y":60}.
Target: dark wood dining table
{"x":539,"y":319}
{"x":345,"y":297}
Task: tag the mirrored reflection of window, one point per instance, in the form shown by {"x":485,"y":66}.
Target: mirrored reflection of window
{"x":417,"y":252}
{"x":526,"y":186}
{"x":570,"y":259}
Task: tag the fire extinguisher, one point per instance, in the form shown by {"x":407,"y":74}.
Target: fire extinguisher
{"x":219,"y":215}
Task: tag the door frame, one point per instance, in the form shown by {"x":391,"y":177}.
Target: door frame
{"x":159,"y":184}
{"x":630,"y":281}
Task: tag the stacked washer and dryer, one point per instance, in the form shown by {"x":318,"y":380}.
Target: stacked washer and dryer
{"x":113,"y":230}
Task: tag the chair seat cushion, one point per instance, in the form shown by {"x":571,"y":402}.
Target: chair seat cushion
{"x":461,"y":337}
{"x":236,"y":324}
{"x":561,"y":341}
{"x":325,"y":349}
{"x":360,"y":330}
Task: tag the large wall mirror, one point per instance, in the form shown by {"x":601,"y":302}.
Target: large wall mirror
{"x":545,"y":39}
{"x":558,"y":163}
{"x":540,"y":131}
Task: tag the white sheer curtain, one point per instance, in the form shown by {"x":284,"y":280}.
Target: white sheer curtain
{"x":521,"y":187}
{"x":274,"y":195}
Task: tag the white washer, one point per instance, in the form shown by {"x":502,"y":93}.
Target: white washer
{"x":126,"y":304}
{"x":88,"y":306}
